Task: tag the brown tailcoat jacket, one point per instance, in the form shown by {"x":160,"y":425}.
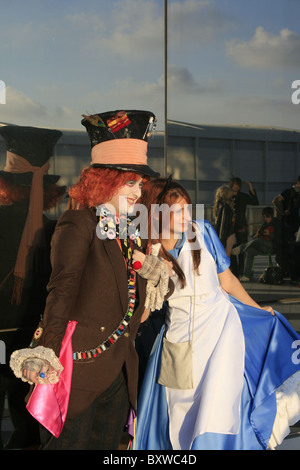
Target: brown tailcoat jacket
{"x":89,"y":284}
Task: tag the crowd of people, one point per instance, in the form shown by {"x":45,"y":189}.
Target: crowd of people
{"x":279,"y":233}
{"x":84,"y":297}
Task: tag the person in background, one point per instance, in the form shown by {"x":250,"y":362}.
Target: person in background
{"x":224,"y":217}
{"x":266,"y":240}
{"x":241,"y":201}
{"x":26,"y":190}
{"x":287,"y":206}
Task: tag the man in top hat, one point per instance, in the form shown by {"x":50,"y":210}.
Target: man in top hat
{"x":96,"y":296}
{"x":25,"y":190}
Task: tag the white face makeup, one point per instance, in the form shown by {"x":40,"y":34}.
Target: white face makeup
{"x":125,"y":199}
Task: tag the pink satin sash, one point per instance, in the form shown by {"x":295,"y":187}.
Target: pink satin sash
{"x":48,"y":404}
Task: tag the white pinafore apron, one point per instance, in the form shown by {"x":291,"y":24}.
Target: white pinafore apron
{"x":213,"y":404}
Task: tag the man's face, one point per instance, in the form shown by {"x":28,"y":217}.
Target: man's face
{"x":235,"y":188}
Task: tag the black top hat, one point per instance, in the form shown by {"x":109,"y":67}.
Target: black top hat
{"x":35,"y":145}
{"x":124,"y":127}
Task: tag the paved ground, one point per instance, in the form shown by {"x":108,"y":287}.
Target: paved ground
{"x":284,"y":298}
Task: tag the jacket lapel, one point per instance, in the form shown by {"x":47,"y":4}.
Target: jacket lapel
{"x":118,"y":264}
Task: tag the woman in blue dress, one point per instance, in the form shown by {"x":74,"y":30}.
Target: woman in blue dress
{"x":224,"y":373}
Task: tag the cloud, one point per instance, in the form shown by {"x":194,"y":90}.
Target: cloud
{"x":270,"y":111}
{"x":134,"y":29}
{"x":22,"y":36}
{"x":20,"y":104}
{"x":22,"y":110}
{"x":124,"y":92}
{"x":131,"y":29}
{"x":193,"y":23}
{"x":183,"y":88}
{"x":266,"y":50}
{"x":180,"y":79}
{"x":180,"y":82}
{"x":86,"y":22}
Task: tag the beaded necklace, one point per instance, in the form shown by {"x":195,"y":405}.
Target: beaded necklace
{"x":106,"y":221}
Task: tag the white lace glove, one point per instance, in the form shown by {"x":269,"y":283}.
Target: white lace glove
{"x":157,"y":274}
{"x":37,"y":365}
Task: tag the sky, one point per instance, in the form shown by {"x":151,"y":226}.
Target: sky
{"x":230,"y":62}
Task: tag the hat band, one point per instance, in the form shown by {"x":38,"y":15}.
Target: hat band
{"x":17,"y":164}
{"x":120,"y":151}
{"x":34,"y":221}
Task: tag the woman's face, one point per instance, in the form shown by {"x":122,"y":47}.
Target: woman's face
{"x":180,"y":219}
{"x":126,"y":197}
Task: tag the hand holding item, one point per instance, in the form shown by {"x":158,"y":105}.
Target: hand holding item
{"x":156,"y":272}
{"x":39,"y":371}
{"x":151,"y":267}
{"x":38,"y":365}
{"x":138,"y":259}
{"x":268,"y":309}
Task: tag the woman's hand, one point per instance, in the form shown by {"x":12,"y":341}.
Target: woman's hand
{"x":268,"y":309}
{"x":145,"y":315}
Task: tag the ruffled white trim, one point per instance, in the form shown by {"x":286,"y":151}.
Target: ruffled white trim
{"x":41,"y":353}
{"x":288,"y":409}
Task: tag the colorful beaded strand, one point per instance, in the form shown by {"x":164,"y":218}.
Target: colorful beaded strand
{"x":118,"y":332}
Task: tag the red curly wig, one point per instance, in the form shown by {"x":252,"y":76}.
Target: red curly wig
{"x":98,"y":185}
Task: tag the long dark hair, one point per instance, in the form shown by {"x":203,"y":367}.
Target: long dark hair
{"x":168,"y":192}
